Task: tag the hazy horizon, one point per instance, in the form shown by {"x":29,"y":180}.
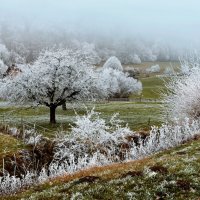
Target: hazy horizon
{"x":166,"y":20}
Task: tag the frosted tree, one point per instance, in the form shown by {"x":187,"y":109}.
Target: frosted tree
{"x":113,"y":63}
{"x":115,"y":81}
{"x":136,"y":59}
{"x":189,"y":63}
{"x":57,"y":76}
{"x":153,"y":69}
{"x":88,"y":50}
{"x":4,"y":60}
{"x":3,"y":69}
{"x":4,"y":53}
{"x":9,"y":57}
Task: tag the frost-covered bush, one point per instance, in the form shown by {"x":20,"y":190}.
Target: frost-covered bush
{"x":3,"y":68}
{"x":31,"y":137}
{"x":117,"y":82}
{"x":153,"y":69}
{"x":11,"y":184}
{"x":147,"y":54}
{"x":189,"y":63}
{"x":129,"y":57}
{"x":165,"y":137}
{"x":102,"y":146}
{"x":136,"y":59}
{"x":113,"y":63}
{"x":90,"y":135}
{"x":4,"y":54}
{"x":183,"y":97}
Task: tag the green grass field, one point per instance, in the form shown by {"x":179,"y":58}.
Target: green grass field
{"x":153,"y":87}
{"x":137,"y":115}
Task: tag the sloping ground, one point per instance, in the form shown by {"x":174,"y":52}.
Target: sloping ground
{"x":11,"y":153}
{"x":9,"y":146}
{"x":172,"y":174}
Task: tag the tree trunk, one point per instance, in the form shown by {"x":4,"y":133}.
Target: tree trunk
{"x":52,"y":114}
{"x":64,"y":106}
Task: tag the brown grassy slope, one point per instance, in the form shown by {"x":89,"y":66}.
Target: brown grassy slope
{"x":172,"y":174}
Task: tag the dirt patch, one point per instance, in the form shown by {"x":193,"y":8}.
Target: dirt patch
{"x":183,"y":184}
{"x":87,"y":179}
{"x":159,"y":169}
{"x":132,"y":174}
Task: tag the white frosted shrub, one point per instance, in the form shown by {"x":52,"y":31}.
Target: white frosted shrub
{"x":113,"y":63}
{"x":3,"y":68}
{"x":100,"y":135}
{"x":136,"y":59}
{"x":118,"y":83}
{"x":189,"y":63}
{"x":91,"y":135}
{"x":11,"y":184}
{"x":165,"y":137}
{"x":4,"y":54}
{"x":183,"y":97}
{"x":153,"y":69}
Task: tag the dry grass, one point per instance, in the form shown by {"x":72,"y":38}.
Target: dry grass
{"x":9,"y":145}
{"x":106,"y":172}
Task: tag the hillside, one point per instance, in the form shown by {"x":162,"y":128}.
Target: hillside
{"x":172,"y":174}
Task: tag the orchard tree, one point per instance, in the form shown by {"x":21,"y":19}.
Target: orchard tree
{"x":56,"y":77}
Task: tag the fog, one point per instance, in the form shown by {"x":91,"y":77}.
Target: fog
{"x":173,"y":23}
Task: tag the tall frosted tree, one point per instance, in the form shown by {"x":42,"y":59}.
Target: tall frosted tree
{"x":57,"y":76}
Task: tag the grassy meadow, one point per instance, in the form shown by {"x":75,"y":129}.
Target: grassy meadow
{"x":137,"y":115}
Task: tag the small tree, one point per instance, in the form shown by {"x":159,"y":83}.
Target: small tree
{"x":113,"y":63}
{"x":153,"y":69}
{"x":56,"y":77}
{"x":116,"y":82}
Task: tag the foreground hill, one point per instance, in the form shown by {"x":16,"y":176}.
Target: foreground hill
{"x":172,"y":174}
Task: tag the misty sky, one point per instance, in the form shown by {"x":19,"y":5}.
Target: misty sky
{"x":169,"y":19}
